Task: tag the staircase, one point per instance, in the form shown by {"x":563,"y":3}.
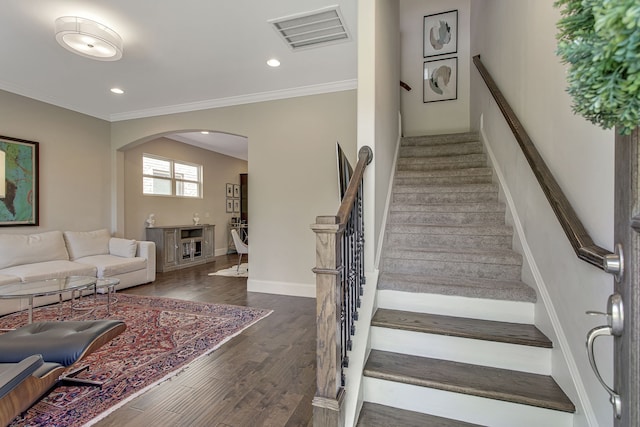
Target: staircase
{"x":453,"y":341}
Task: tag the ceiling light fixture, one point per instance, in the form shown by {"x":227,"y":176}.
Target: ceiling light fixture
{"x":117,"y":90}
{"x":88,"y":38}
{"x":273,"y":63}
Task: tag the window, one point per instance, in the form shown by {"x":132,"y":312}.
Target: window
{"x":166,"y":177}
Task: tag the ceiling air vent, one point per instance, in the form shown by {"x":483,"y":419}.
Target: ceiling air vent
{"x":312,"y":29}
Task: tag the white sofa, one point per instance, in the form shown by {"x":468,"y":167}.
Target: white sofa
{"x":54,"y":254}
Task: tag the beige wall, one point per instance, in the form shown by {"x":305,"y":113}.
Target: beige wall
{"x":85,"y":179}
{"x":292,"y":170}
{"x":517,"y":43}
{"x":75,"y":175}
{"x":217,"y":170}
{"x":431,"y":118}
{"x":378,"y":108}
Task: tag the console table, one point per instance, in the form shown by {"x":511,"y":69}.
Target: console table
{"x":182,"y":246}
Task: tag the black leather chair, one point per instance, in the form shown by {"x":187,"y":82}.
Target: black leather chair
{"x":23,"y":383}
{"x":35,"y":357}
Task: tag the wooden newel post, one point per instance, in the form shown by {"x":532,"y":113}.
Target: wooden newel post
{"x":327,"y":403}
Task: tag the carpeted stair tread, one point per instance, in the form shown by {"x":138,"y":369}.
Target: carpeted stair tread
{"x":483,"y":381}
{"x":496,"y":264}
{"x":441,"y":150}
{"x":447,"y":213}
{"x":470,"y":287}
{"x":464,"y":161}
{"x":469,"y":236}
{"x":460,"y":188}
{"x":462,"y":230}
{"x":487,"y":330}
{"x":445,"y":180}
{"x":435,"y":241}
{"x":480,"y":171}
{"x":494,"y":256}
{"x":442,"y":197}
{"x":440,"y":139}
{"x":447,"y":207}
{"x":449,"y":218}
{"x":375,"y":415}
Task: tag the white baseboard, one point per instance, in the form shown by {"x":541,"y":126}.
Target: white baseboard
{"x":282,"y":288}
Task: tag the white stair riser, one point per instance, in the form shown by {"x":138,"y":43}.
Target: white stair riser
{"x":461,"y":407}
{"x":474,"y":308}
{"x":515,"y":357}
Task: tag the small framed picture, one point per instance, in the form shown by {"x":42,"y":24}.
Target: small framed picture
{"x":440,"y":80}
{"x":236,"y":190}
{"x":229,"y":190}
{"x":236,"y":205}
{"x":229,"y":205}
{"x":440,"y":33}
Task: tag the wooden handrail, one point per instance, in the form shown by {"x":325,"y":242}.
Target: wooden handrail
{"x":578,"y":236}
{"x":365,"y":155}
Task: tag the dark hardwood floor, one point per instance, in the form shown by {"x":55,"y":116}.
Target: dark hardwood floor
{"x":263,"y":377}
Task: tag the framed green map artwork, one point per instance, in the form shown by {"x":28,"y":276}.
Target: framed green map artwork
{"x":18,"y":182}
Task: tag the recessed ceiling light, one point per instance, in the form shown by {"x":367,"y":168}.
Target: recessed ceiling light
{"x":88,"y":38}
{"x":117,"y":90}
{"x":273,"y":63}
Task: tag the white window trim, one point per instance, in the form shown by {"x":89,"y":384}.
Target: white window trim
{"x":172,"y":178}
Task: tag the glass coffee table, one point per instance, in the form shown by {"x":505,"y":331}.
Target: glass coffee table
{"x":107,"y":285}
{"x":48,"y":287}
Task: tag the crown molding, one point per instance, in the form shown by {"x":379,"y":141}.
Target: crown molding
{"x":238,"y":100}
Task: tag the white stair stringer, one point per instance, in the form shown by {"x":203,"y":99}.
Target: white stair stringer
{"x":463,"y":407}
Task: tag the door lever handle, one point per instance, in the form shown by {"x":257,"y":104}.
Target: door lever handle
{"x":615,"y":325}
{"x":614,"y":397}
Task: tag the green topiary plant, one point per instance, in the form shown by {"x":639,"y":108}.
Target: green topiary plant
{"x":600,"y":40}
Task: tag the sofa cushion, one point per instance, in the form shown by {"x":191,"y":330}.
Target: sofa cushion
{"x":5,"y":279}
{"x":18,"y":249}
{"x":81,"y":244}
{"x":109,"y":265}
{"x":125,"y":248}
{"x":50,"y":269}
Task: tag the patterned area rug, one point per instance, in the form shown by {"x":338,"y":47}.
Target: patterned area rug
{"x":163,"y":335}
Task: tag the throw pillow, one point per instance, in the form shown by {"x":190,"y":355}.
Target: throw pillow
{"x":87,"y":243}
{"x":122,"y":247}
